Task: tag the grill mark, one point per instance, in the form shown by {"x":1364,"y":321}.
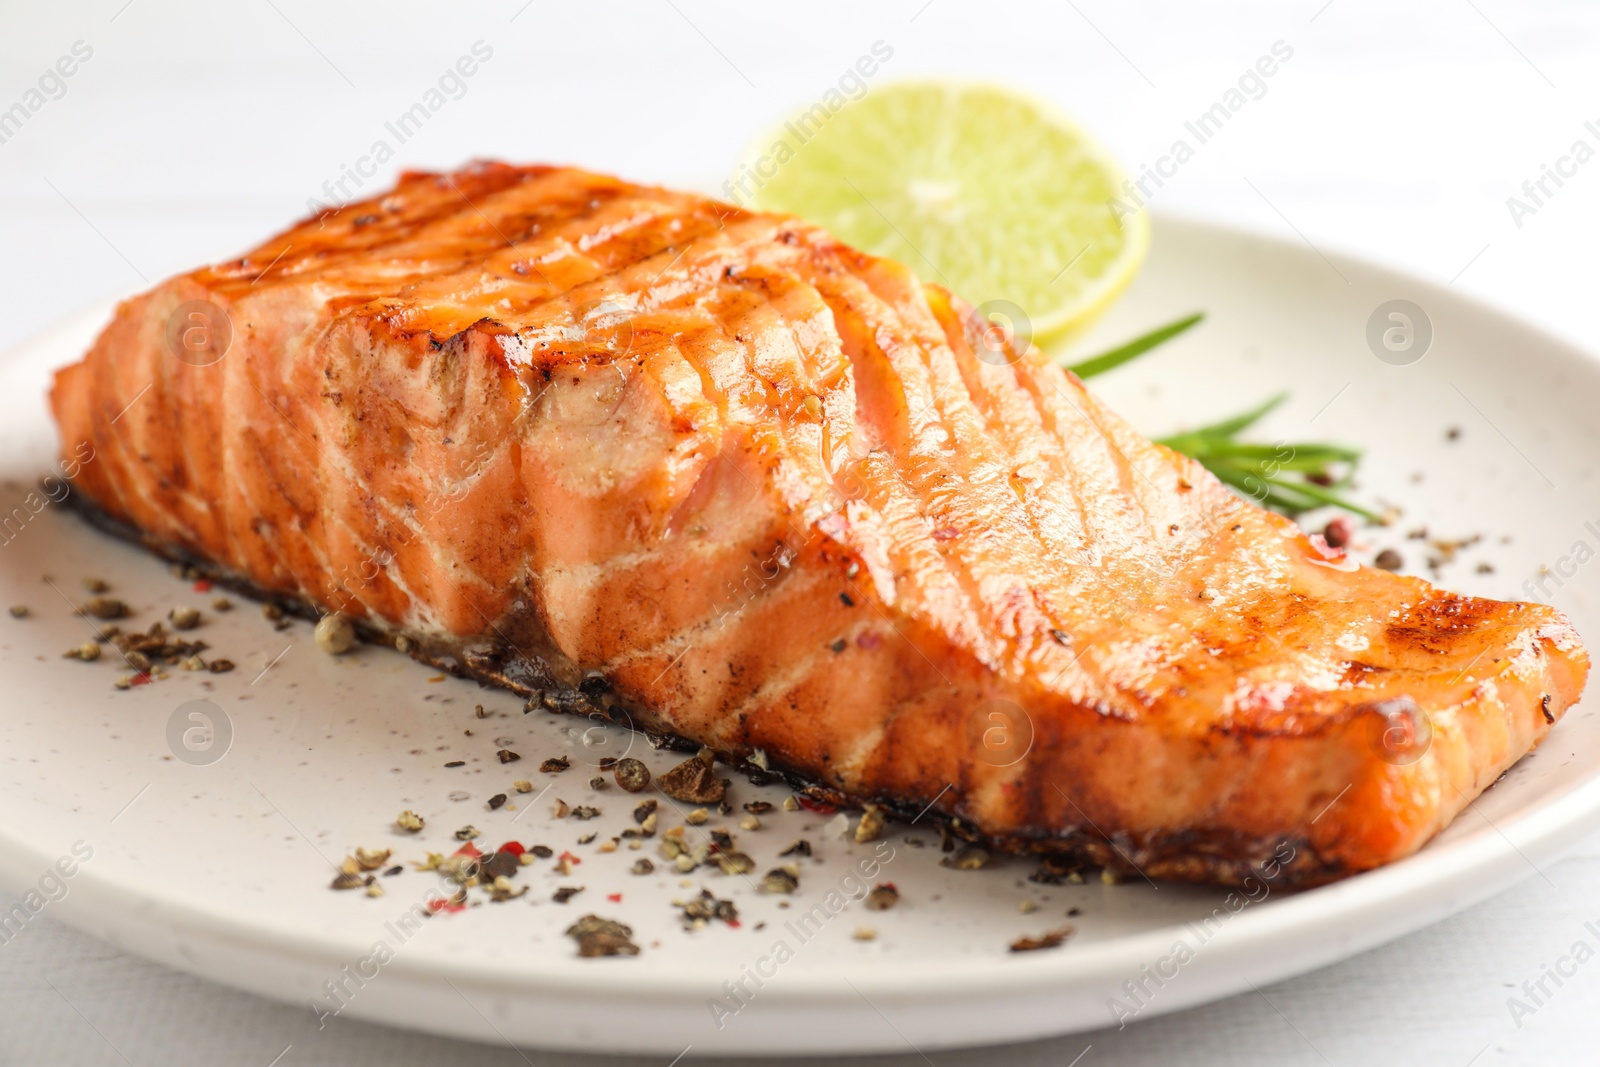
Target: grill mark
{"x":900,"y":493}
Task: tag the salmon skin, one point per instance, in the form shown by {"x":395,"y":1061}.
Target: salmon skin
{"x":717,"y":473}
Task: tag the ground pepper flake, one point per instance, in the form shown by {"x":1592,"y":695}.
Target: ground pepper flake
{"x":781,"y":880}
{"x":105,"y":607}
{"x":598,"y":937}
{"x":705,"y":907}
{"x":1052,"y":939}
{"x":566,"y":893}
{"x":968,"y":858}
{"x":694,"y":782}
{"x":507,"y":756}
{"x":871,"y":824}
{"x":883,"y":897}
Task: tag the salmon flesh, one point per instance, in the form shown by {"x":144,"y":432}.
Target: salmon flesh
{"x":720,"y":476}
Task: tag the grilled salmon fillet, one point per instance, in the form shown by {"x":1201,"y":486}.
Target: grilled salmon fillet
{"x":716,"y":472}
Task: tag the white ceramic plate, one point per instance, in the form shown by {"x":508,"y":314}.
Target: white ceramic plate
{"x":219,"y":863}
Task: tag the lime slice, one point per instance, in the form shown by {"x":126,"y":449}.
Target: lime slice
{"x":989,"y":192}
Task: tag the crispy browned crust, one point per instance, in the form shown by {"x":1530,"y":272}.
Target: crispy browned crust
{"x":549,"y":679}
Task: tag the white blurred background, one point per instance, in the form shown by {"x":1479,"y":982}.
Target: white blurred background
{"x":1396,"y":132}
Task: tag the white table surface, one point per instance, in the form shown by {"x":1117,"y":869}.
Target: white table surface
{"x":196,"y":128}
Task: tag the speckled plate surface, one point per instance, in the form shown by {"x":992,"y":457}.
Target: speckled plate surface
{"x":199,"y":820}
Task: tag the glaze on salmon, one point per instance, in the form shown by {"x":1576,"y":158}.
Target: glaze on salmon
{"x":758,"y":490}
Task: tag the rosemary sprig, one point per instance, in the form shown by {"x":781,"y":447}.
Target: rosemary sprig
{"x":1135,"y":348}
{"x":1290,"y":477}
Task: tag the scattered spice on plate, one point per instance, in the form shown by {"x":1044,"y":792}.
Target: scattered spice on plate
{"x":19,"y":611}
{"x":588,"y":837}
{"x":370,"y":859}
{"x":544,"y":852}
{"x":735,"y":863}
{"x":967,"y":858}
{"x":632,"y":775}
{"x":335,"y":634}
{"x":497,"y":801}
{"x":566,"y":893}
{"x":642,"y":866}
{"x":1048,"y":940}
{"x":871,"y":824}
{"x":555,"y":765}
{"x":456,"y":763}
{"x":697,"y":911}
{"x":347,"y":880}
{"x":791,"y":803}
{"x":693,"y":781}
{"x":95,"y":585}
{"x":522,"y":785}
{"x":865,"y":933}
{"x":1053,"y":870}
{"x":410,"y":821}
{"x":105,"y":607}
{"x":184,"y":617}
{"x":801,"y":847}
{"x":560,"y":808}
{"x":781,"y":880}
{"x":884,"y":896}
{"x":750,"y":822}
{"x":467,"y":833}
{"x":507,"y":756}
{"x":222,"y":603}
{"x":584,"y":811}
{"x":89,"y":651}
{"x":757,"y":807}
{"x":602,"y":937}
{"x":597,"y":783}
{"x":500,"y":864}
{"x":220,"y":666}
{"x":1388,"y":560}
